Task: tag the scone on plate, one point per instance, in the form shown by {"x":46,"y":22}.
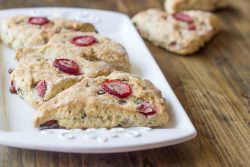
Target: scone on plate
{"x":182,"y":33}
{"x":119,"y":99}
{"x":38,"y":79}
{"x":26,"y":31}
{"x":90,"y":46}
{"x":172,"y":6}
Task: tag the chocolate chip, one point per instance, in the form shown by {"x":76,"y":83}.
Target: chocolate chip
{"x":84,"y":116}
{"x":100,"y":92}
{"x":173,"y":44}
{"x":122,"y":102}
{"x":10,"y":70}
{"x":123,"y":80}
{"x":34,"y":85}
{"x":164,"y":16}
{"x":87,"y":84}
{"x":138,"y":101}
{"x":19,"y":90}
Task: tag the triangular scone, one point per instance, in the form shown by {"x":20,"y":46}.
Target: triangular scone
{"x":90,"y":46}
{"x":119,"y":99}
{"x":27,"y":32}
{"x":172,"y":6}
{"x":182,"y":33}
{"x":37,"y":79}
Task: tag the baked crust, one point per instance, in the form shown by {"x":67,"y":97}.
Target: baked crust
{"x":103,"y":50}
{"x":35,"y":68}
{"x":173,"y":35}
{"x":17,"y":33}
{"x":172,"y":6}
{"x":82,"y":107}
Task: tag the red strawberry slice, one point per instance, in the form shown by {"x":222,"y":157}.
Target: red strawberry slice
{"x":83,"y":40}
{"x":146,"y":109}
{"x":41,"y":88}
{"x":116,"y":88}
{"x":173,"y":44}
{"x":12,"y":87}
{"x":183,"y":17}
{"x":52,"y":124}
{"x":67,"y":66}
{"x":191,"y":27}
{"x":38,"y":21}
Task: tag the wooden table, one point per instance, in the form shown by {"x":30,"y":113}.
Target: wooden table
{"x":213,"y":86}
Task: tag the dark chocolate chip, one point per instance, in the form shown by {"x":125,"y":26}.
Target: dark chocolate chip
{"x":122,"y":102}
{"x":84,"y":116}
{"x":118,"y":126}
{"x":87,"y":84}
{"x":138,"y":101}
{"x":100,"y":92}
{"x":19,"y":90}
{"x":123,"y":80}
{"x":10,"y":70}
{"x":34,"y":85}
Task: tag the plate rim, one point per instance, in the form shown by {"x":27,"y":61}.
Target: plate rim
{"x":190,"y":132}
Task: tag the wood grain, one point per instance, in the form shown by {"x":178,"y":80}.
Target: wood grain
{"x":213,"y":86}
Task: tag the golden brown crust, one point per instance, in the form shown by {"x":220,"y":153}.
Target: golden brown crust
{"x":103,"y":50}
{"x":36,"y":67}
{"x":81,"y":107}
{"x":17,"y":33}
{"x":172,"y":6}
{"x":173,"y":35}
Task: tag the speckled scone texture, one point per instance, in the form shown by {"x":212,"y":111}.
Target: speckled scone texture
{"x":35,"y":68}
{"x":182,"y":33}
{"x":17,"y":33}
{"x":82,"y":107}
{"x":104,"y":49}
{"x":172,"y":6}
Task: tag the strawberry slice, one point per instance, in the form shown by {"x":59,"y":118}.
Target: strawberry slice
{"x":146,"y":109}
{"x":41,"y":88}
{"x":116,"y":88}
{"x":12,"y":87}
{"x":83,"y":40}
{"x":173,"y":44}
{"x":38,"y":21}
{"x":185,"y":18}
{"x":67,"y":66}
{"x":52,"y":124}
{"x":182,"y":17}
{"x":191,"y":27}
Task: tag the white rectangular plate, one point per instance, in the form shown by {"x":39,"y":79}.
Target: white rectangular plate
{"x":16,"y":115}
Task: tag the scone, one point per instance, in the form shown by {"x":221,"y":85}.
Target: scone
{"x":182,"y":33}
{"x":172,"y":6}
{"x":38,"y":79}
{"x":119,"y":99}
{"x":90,"y":46}
{"x":26,"y":31}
